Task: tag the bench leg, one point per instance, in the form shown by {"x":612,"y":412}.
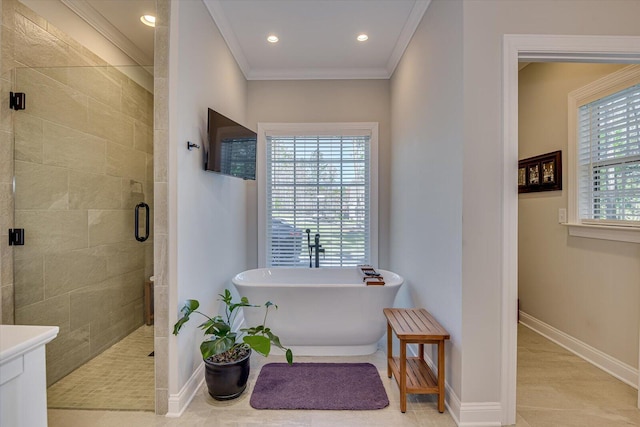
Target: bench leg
{"x":441,"y":376}
{"x":403,"y":376}
{"x":389,"y":349}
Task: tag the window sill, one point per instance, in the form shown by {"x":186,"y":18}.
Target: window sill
{"x":604,"y":232}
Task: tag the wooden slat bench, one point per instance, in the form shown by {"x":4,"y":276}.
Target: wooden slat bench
{"x":413,"y":375}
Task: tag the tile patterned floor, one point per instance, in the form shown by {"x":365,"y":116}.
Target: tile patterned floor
{"x":120,"y":378}
{"x":555,"y":389}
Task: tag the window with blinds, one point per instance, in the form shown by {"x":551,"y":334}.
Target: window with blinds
{"x":319,"y":183}
{"x":609,"y":159}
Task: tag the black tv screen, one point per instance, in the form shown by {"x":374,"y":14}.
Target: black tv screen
{"x":231,"y":147}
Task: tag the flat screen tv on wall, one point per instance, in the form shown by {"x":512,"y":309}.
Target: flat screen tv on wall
{"x":231,"y":147}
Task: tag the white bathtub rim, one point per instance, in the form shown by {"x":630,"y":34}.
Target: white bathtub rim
{"x":251,"y":278}
{"x":314,"y":285}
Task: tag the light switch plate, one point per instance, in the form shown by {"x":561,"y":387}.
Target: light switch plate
{"x":562,"y":215}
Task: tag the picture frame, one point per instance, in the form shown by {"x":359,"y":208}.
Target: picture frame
{"x":540,"y":173}
{"x":533,"y":174}
{"x":548,"y":172}
{"x":522,"y":176}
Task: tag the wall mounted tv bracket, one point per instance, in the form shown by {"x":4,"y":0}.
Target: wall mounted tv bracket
{"x":16,"y":237}
{"x":17,"y":100}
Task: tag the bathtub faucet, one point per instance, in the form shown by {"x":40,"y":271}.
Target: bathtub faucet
{"x":316,"y":247}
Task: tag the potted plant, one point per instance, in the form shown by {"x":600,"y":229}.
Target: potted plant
{"x":226,"y":353}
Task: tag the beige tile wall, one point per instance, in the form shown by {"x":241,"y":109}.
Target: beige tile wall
{"x":83,"y":156}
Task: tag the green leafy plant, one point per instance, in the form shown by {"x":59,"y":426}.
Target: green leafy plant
{"x":224,"y":344}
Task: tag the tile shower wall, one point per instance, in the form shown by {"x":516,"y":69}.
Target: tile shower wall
{"x":83,"y":160}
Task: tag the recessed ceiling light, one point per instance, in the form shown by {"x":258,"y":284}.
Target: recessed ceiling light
{"x":273,"y":38}
{"x":149,"y":20}
{"x":362,"y":38}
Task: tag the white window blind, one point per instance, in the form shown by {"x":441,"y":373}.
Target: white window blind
{"x":321,"y":183}
{"x":609,"y":159}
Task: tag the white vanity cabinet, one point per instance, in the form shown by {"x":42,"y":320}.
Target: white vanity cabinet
{"x":23,"y":380}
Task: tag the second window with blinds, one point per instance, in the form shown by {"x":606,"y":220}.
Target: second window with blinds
{"x":320,"y":177}
{"x":604,"y":157}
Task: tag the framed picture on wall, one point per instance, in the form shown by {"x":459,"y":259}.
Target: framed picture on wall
{"x":522,"y":177}
{"x":548,"y":172}
{"x":540,"y":173}
{"x":533,"y":170}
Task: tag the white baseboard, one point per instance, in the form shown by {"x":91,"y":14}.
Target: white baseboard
{"x":480,"y":414}
{"x":179,"y":402}
{"x":466,"y":414}
{"x":625,"y":373}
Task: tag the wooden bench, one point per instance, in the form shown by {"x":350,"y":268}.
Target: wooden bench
{"x":413,"y":375}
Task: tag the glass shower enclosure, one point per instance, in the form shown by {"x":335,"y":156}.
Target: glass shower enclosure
{"x":83,"y":167}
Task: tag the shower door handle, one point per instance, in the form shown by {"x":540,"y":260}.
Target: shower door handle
{"x":146,"y":222}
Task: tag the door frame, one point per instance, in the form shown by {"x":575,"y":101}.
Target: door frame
{"x":534,"y":48}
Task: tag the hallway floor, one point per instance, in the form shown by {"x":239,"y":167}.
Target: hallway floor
{"x":120,"y":378}
{"x":555,"y":388}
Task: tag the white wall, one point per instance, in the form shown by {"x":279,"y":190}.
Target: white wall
{"x":207,"y":211}
{"x":426,"y":174}
{"x":485,"y":23}
{"x":309,"y":101}
{"x":587,"y":288}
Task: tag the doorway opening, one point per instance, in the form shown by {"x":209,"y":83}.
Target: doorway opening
{"x":578,"y":314}
{"x":534,"y":48}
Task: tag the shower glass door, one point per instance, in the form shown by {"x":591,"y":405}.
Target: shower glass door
{"x":83,"y":161}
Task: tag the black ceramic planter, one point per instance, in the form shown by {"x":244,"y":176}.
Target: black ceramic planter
{"x":227,"y":381}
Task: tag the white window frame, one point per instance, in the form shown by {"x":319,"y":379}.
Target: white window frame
{"x":350,"y":128}
{"x":612,"y":83}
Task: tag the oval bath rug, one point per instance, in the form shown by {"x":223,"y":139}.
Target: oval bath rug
{"x":331,"y":386}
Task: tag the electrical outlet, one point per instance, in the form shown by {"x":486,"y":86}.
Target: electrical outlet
{"x":562,"y":215}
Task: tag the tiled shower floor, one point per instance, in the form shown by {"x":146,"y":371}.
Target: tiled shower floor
{"x":120,"y":378}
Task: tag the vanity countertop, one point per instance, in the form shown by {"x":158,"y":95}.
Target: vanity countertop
{"x":16,"y":340}
{"x":23,"y":382}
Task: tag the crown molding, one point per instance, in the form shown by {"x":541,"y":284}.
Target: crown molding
{"x":318,"y":74}
{"x":414,"y":19}
{"x":217,"y":14}
{"x":92,"y":17}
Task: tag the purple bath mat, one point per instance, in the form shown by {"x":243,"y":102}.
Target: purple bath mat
{"x":351,"y":386}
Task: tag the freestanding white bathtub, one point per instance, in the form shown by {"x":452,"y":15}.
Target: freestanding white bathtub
{"x":321,"y":311}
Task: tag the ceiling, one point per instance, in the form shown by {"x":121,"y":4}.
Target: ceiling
{"x":317,"y":37}
{"x":119,"y":22}
{"x":129,"y":23}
